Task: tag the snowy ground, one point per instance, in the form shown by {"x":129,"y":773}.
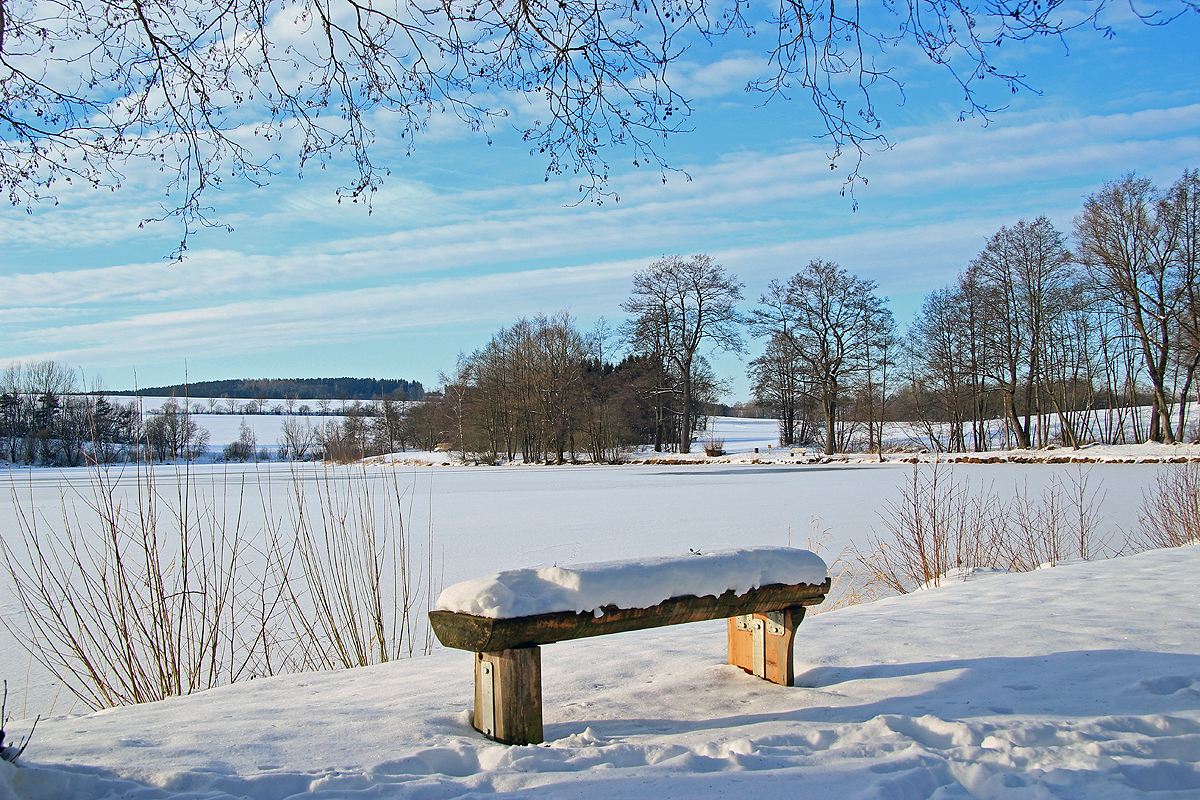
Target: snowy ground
{"x":745,"y":441}
{"x":1081,"y":681}
{"x":489,"y":519}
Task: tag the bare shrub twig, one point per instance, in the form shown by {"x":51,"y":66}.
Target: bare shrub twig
{"x":155,"y":589}
{"x":940,"y":527}
{"x":1170,"y":512}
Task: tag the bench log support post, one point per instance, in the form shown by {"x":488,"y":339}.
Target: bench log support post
{"x":761,"y":644}
{"x":508,"y":695}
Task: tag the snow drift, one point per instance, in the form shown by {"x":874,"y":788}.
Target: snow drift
{"x":1081,"y":681}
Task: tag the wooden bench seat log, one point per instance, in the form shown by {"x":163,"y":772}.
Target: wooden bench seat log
{"x":508,"y":681}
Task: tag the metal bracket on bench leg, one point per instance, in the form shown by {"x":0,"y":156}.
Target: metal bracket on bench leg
{"x":761,"y":644}
{"x":485,"y":709}
{"x":508,"y":695}
{"x":758,"y":644}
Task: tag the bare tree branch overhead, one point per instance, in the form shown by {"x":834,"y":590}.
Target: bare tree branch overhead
{"x":90,"y":88}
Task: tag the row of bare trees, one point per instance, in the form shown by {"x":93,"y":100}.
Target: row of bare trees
{"x":1068,"y":344}
{"x":1058,"y":344}
{"x":361,"y":429}
{"x":46,"y":421}
{"x":546,"y":392}
{"x":543,"y":390}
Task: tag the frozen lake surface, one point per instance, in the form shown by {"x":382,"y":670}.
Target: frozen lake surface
{"x":485,"y":520}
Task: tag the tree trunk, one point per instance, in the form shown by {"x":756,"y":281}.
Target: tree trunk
{"x":1021,"y":431}
{"x":685,"y":430}
{"x":830,"y":406}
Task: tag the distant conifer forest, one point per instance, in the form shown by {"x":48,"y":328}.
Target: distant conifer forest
{"x":299,"y":388}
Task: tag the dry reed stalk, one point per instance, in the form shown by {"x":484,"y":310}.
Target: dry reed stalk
{"x":855,"y":578}
{"x":851,"y":580}
{"x":130,"y":603}
{"x":357,"y":591}
{"x":162,"y":591}
{"x":1062,"y":524}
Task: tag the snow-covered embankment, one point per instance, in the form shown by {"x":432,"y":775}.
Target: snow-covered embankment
{"x":1078,"y":681}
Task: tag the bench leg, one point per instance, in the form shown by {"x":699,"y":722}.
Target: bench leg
{"x":761,"y":644}
{"x":508,"y":695}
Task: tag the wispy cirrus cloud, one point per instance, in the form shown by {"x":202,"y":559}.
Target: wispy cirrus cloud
{"x":302,"y":273}
{"x":339,"y":315}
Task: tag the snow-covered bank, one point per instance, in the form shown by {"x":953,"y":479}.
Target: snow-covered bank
{"x":484,"y":520}
{"x":1147,"y":453}
{"x":1081,"y":681}
{"x":756,"y":441}
{"x":744,"y":441}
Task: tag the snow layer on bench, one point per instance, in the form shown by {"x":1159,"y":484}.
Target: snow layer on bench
{"x":635,"y":583}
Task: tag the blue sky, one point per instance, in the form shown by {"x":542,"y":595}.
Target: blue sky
{"x":467,"y":236}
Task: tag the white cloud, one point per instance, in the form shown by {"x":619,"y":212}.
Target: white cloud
{"x":282,"y":323}
{"x":447,"y":260}
{"x":730,"y":74}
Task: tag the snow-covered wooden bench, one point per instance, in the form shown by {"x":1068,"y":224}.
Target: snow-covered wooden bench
{"x":504,"y":618}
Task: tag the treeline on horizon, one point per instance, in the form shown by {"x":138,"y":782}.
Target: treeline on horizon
{"x":47,"y":419}
{"x":296,"y":388}
{"x":1043,"y":338}
{"x":1062,"y":339}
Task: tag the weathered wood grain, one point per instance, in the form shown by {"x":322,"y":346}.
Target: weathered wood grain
{"x":484,"y":634}
{"x":778,"y":665}
{"x":508,"y":695}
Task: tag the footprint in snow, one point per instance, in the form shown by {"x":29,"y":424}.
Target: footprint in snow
{"x":1168,"y":684}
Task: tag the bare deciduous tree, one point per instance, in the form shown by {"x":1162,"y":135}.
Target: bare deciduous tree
{"x":940,"y":341}
{"x":172,"y":434}
{"x":831,"y":319}
{"x":1129,"y":251}
{"x":1027,"y":280}
{"x":1180,"y":210}
{"x":297,"y":439}
{"x":780,"y":385}
{"x":524,"y":391}
{"x":679,"y":305}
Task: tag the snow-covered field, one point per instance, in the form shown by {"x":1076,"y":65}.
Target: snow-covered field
{"x":744,"y":441}
{"x":1081,"y":681}
{"x":1078,"y":681}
